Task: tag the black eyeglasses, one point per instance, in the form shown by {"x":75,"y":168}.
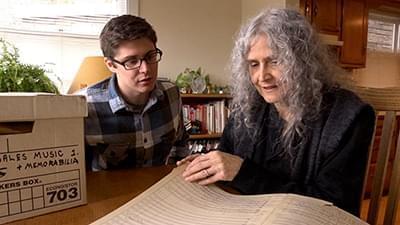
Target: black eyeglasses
{"x":135,"y":62}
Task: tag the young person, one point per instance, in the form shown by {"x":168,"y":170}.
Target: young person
{"x":134,"y":120}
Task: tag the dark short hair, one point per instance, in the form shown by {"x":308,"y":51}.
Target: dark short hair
{"x":124,"y":28}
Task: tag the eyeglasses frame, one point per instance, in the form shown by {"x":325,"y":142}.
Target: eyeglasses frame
{"x":157,"y":50}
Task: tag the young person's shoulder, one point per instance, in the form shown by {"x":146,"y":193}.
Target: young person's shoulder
{"x":166,"y":85}
{"x":169,"y":89}
{"x":96,"y":92}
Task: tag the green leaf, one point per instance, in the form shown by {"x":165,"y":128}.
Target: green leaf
{"x":18,"y":77}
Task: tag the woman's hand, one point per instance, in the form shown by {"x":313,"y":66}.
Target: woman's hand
{"x":211,"y":167}
{"x":187,"y":159}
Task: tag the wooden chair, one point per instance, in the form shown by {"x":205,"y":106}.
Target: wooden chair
{"x":386,"y":102}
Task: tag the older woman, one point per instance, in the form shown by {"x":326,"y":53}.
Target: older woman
{"x":292,"y":128}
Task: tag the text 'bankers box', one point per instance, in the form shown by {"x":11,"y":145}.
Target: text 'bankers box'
{"x":42,"y":160}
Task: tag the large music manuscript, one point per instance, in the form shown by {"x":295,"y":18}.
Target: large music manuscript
{"x":175,"y":201}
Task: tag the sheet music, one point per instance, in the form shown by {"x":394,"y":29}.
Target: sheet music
{"x":175,"y":201}
{"x":305,"y":210}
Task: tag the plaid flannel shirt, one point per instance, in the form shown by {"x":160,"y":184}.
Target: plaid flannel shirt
{"x":117,"y":135}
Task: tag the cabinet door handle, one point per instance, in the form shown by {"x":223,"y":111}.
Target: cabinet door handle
{"x":315,"y":11}
{"x":307,"y":9}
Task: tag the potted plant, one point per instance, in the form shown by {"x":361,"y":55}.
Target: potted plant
{"x":19,"y":77}
{"x":191,"y":80}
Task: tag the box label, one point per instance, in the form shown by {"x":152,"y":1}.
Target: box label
{"x":37,"y":179}
{"x":18,"y":163}
{"x":29,"y":194}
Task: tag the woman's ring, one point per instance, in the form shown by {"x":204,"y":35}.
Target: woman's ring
{"x":205,"y":171}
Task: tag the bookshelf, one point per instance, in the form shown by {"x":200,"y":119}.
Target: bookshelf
{"x":211,"y":110}
{"x":205,"y":96}
{"x":205,"y":136}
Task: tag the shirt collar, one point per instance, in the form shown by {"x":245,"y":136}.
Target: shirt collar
{"x":117,"y":102}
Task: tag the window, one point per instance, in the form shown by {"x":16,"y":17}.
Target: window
{"x":58,"y":34}
{"x":383,"y":33}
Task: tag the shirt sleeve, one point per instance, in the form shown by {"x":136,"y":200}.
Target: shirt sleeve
{"x":339,"y":180}
{"x":179,"y":149}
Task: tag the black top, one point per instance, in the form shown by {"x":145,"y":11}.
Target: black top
{"x":330,"y":165}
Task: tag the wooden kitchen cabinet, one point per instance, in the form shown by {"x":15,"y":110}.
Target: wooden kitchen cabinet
{"x":395,"y":4}
{"x":354,"y":33}
{"x":325,"y":15}
{"x":346,"y":19}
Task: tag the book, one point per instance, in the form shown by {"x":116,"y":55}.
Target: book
{"x":175,"y":201}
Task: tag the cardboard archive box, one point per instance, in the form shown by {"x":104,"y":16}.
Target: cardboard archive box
{"x":42,"y":159}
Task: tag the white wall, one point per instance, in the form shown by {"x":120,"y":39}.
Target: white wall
{"x":194,"y":34}
{"x":250,"y":8}
{"x":200,"y":33}
{"x":253,"y":7}
{"x":382,"y":70}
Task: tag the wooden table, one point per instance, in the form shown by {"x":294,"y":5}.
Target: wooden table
{"x":106,"y":191}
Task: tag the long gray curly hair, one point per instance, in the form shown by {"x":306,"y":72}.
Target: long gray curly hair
{"x":307,"y":70}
